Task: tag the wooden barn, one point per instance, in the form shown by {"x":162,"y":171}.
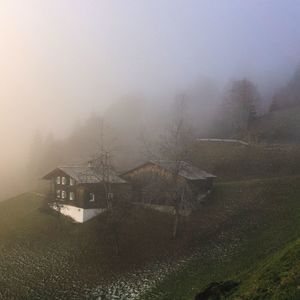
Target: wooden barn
{"x":82,"y":193}
{"x":153,"y":182}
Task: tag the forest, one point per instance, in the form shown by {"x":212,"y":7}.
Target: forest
{"x":133,"y":124}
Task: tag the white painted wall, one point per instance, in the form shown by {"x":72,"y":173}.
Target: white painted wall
{"x":91,"y":213}
{"x":166,"y":209}
{"x":78,"y":214}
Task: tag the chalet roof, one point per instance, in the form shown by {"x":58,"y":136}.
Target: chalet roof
{"x":85,"y":174}
{"x":186,"y":170}
{"x":233,"y":141}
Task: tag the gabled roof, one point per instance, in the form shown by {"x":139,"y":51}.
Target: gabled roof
{"x":185,"y":170}
{"x":234,"y":141}
{"x":85,"y":174}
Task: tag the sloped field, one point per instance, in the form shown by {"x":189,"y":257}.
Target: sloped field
{"x":45,"y":257}
{"x":282,"y":126}
{"x":277,"y":277}
{"x":267,"y":218}
{"x":236,"y":162}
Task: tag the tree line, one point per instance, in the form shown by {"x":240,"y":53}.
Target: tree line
{"x":133,"y":120}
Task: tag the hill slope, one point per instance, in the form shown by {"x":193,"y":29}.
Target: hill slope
{"x":235,"y":162}
{"x":276,"y":278}
{"x":43,"y":257}
{"x":46,"y":257}
{"x":268,"y":218}
{"x":279,"y":126}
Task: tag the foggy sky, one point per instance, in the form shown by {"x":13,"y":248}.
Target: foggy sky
{"x":60,"y":60}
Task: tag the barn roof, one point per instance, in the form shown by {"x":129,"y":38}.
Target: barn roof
{"x":186,"y":170}
{"x":85,"y":174}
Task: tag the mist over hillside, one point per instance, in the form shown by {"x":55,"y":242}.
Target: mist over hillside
{"x":127,"y":123}
{"x":149,"y":149}
{"x":64,"y":61}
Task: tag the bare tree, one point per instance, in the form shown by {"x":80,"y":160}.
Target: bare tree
{"x":102,"y":165}
{"x":115,"y":219}
{"x":117,"y":207}
{"x":174,"y":147}
{"x":52,"y":203}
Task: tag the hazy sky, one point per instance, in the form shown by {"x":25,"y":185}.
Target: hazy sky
{"x":60,"y":59}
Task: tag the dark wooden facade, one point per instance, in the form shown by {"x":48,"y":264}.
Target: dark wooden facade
{"x":69,"y":191}
{"x":150,"y":182}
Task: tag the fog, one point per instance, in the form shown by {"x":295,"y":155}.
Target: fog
{"x":61,"y":61}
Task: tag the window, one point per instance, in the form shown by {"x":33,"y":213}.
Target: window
{"x":71,"y":196}
{"x":58,"y":180}
{"x":57,"y":193}
{"x":63,"y":180}
{"x":63,"y":194}
{"x":92,"y":197}
{"x":72,"y":181}
{"x":110,"y":196}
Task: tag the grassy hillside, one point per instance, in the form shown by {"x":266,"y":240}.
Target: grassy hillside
{"x":276,"y":153}
{"x":236,"y":162}
{"x":45,"y":257}
{"x":279,"y":126}
{"x":268,"y":216}
{"x":278,"y":277}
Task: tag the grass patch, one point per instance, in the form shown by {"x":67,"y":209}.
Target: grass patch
{"x":45,"y":257}
{"x":264,"y":216}
{"x":278,"y":277}
{"x":236,"y":162}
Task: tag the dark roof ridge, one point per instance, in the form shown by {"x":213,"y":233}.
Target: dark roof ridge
{"x":188,"y":170}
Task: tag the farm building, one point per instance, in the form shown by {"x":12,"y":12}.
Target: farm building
{"x":81,"y":192}
{"x":156,"y":182}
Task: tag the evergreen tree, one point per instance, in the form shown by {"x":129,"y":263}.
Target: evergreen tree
{"x":240,"y":106}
